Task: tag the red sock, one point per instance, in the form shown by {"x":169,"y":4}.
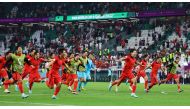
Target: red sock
{"x":145,"y":84}
{"x":6,"y":83}
{"x":57,"y":89}
{"x":134,"y":88}
{"x":20,"y":87}
{"x":6,"y":86}
{"x":30,"y":85}
{"x":75,"y":85}
{"x":71,"y":82}
{"x":131,"y":84}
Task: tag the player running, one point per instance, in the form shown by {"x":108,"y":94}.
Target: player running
{"x":141,"y":71}
{"x":54,"y":77}
{"x":18,"y":63}
{"x":127,"y":72}
{"x":82,"y":70}
{"x":27,"y":67}
{"x":73,"y":68}
{"x":34,"y":75}
{"x":90,"y":65}
{"x":156,"y":65}
{"x":4,"y":74}
{"x":172,"y":69}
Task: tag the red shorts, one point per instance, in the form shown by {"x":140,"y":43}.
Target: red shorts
{"x":125,"y":75}
{"x":153,"y":78}
{"x":64,"y":76}
{"x":73,"y":76}
{"x":141,"y":74}
{"x":16,"y":76}
{"x":34,"y":76}
{"x":54,"y":78}
{"x":170,"y":76}
{"x":3,"y":73}
{"x":26,"y":71}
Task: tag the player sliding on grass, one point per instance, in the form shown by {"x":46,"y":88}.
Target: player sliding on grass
{"x":172,"y":69}
{"x":127,"y":72}
{"x":156,"y":65}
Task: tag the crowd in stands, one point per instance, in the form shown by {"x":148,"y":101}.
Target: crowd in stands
{"x":15,"y":10}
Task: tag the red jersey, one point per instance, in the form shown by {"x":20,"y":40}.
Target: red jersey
{"x":155,"y":67}
{"x":143,"y":65}
{"x":29,"y":57}
{"x":2,"y":62}
{"x":36,"y":63}
{"x":129,"y":63}
{"x":57,"y":64}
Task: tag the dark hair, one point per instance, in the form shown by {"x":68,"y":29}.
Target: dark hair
{"x":32,"y":50}
{"x":145,"y":55}
{"x":132,"y":50}
{"x":18,"y":47}
{"x":60,"y":51}
{"x":177,"y":57}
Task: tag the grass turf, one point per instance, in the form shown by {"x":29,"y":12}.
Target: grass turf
{"x":97,"y":94}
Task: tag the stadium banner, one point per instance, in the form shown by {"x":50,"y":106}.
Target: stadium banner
{"x":161,"y":13}
{"x":100,"y":16}
{"x":24,"y":20}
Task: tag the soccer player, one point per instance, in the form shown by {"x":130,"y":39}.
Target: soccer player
{"x":27,"y":67}
{"x":127,"y":72}
{"x":54,"y":77}
{"x":3,"y":74}
{"x":34,"y":75}
{"x":90,"y":65}
{"x":141,"y":71}
{"x":73,"y":68}
{"x":156,"y":65}
{"x":18,"y":63}
{"x":69,"y":80}
{"x":172,"y":69}
{"x":82,"y":70}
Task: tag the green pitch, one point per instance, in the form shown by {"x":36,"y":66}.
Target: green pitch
{"x":97,"y":94}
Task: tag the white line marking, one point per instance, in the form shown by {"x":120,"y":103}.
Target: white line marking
{"x":32,"y":103}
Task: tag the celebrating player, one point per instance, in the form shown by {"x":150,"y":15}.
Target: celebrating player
{"x":53,"y":76}
{"x":34,"y":75}
{"x":127,"y":72}
{"x":82,"y":70}
{"x":172,"y":69}
{"x":89,"y":66}
{"x":3,"y":73}
{"x":156,"y":65}
{"x":141,"y":71}
{"x":18,"y":63}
